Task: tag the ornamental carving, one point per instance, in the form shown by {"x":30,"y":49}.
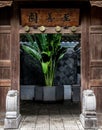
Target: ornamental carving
{"x":96,"y":3}
{"x":5,"y":3}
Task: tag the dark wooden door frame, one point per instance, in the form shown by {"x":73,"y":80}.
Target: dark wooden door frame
{"x":16,"y":30}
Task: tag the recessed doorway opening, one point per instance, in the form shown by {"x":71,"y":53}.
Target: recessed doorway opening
{"x":67,"y":72}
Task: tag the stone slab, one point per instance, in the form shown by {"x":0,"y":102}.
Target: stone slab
{"x":11,"y":114}
{"x":89,"y":122}
{"x":12,"y":123}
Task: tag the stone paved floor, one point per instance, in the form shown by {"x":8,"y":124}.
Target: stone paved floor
{"x":38,"y":116}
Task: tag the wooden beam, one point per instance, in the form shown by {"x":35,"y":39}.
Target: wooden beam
{"x":96,"y":63}
{"x":96,"y":29}
{"x":51,"y":0}
{"x":5,"y":29}
{"x":85,"y":23}
{"x":15,"y":52}
{"x":5,"y":82}
{"x":51,"y":30}
{"x":5,"y":63}
{"x":95,"y":83}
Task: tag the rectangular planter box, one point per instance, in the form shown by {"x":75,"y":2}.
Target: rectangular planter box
{"x":67,"y":92}
{"x":55,"y":93}
{"x":59,"y":93}
{"x":49,"y":93}
{"x":76,"y":93}
{"x":38,"y":93}
{"x":27,"y":92}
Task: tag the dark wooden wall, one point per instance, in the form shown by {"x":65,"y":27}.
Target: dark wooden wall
{"x":9,"y":52}
{"x":5,"y":63}
{"x":5,"y":55}
{"x":95,"y":55}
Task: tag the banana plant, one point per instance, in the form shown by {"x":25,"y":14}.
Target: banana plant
{"x":46,"y":48}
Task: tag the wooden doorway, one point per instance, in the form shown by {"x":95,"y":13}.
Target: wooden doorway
{"x":16,"y":29}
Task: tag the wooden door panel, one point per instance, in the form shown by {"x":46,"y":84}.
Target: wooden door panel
{"x":96,"y":73}
{"x":5,"y":64}
{"x":3,"y":93}
{"x":98,"y":93}
{"x":96,"y":46}
{"x":4,"y":46}
{"x":95,"y":67}
{"x":5,"y":73}
{"x":95,"y":83}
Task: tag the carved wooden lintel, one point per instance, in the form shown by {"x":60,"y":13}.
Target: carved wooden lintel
{"x":5,"y":3}
{"x":96,"y":3}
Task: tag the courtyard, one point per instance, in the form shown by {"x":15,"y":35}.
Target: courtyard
{"x":50,"y":116}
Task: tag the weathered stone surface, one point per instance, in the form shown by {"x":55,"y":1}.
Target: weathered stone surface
{"x":88,"y":117}
{"x":88,"y":122}
{"x":88,"y":102}
{"x":12,"y":114}
{"x":13,"y":117}
{"x":38,"y":116}
{"x":11,"y":123}
{"x":12,"y":103}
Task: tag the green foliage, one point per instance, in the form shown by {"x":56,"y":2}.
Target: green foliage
{"x":47,"y":49}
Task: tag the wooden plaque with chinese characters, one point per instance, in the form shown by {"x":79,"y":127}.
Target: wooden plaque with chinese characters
{"x":50,"y":17}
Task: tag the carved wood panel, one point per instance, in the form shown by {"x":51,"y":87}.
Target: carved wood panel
{"x":50,"y":17}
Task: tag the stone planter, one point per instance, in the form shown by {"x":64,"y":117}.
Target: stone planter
{"x":76,"y":92}
{"x":67,"y":92}
{"x":49,"y":94}
{"x":38,"y":93}
{"x":27,"y":92}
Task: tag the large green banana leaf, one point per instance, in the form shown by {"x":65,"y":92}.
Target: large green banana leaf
{"x":47,"y":49}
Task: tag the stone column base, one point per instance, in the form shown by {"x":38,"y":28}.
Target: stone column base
{"x":12,"y":123}
{"x":89,"y":122}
